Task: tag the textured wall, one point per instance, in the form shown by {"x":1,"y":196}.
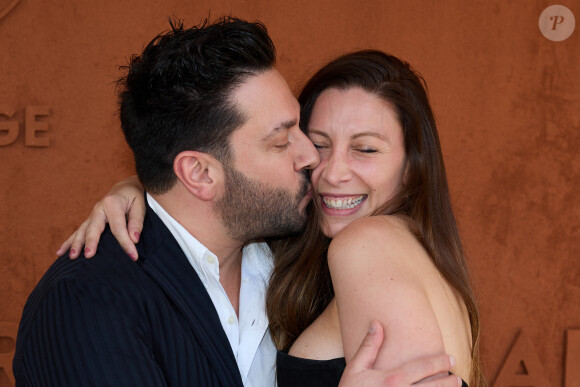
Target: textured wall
{"x":507,"y":101}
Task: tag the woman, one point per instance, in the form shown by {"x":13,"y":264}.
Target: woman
{"x":386,"y":246}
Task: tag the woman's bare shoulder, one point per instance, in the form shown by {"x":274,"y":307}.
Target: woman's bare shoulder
{"x":380,"y":272}
{"x":381,"y":237}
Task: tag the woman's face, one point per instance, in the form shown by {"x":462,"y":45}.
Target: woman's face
{"x":362,"y":155}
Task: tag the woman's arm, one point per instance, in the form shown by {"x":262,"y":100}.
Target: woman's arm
{"x":360,"y":369}
{"x":378,"y":270}
{"x":124,"y":208}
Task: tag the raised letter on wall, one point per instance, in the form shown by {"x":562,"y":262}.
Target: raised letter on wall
{"x":572,"y":371}
{"x":8,"y":129}
{"x":8,"y":332}
{"x":33,"y":126}
{"x":522,"y":368}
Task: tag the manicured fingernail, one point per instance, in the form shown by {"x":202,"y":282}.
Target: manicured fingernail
{"x":87,"y":251}
{"x":133,"y":256}
{"x":136,"y":234}
{"x":72,"y":252}
{"x":452,"y":361}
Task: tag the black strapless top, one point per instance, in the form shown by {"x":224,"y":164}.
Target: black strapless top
{"x":294,"y":371}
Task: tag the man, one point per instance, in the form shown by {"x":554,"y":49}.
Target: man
{"x":214,"y":131}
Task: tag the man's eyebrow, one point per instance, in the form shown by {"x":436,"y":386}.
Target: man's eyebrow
{"x":282,"y":126}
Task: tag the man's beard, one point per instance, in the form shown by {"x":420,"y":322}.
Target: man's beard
{"x":252,"y":210}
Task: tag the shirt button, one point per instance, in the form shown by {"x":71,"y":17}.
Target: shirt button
{"x":231,"y":320}
{"x":210,"y":259}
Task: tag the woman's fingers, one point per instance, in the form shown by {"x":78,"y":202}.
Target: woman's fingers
{"x":66,"y":245}
{"x":431,"y":371}
{"x":93,"y":229}
{"x":125,"y":197}
{"x":428,"y":372}
{"x":78,"y":240}
{"x":118,"y":224}
{"x":136,"y":218}
{"x":366,"y":355}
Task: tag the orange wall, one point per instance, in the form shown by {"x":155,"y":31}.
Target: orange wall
{"x":507,"y":101}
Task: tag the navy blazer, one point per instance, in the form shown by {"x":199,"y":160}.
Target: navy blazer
{"x":109,"y":321}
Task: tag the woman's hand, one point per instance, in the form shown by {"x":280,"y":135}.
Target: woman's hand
{"x":124,"y":208}
{"x":432,"y":371}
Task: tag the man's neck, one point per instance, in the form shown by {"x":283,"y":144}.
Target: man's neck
{"x":210,"y":232}
{"x":199,"y":219}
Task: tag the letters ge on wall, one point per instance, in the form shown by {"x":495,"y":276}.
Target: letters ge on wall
{"x":10,"y":128}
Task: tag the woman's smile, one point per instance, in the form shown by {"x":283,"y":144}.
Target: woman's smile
{"x":342,"y":204}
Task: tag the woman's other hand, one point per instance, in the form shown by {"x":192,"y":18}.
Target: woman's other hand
{"x":124,"y":208}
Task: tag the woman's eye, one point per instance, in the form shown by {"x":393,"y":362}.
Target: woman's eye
{"x":366,"y":150}
{"x":320,"y":146}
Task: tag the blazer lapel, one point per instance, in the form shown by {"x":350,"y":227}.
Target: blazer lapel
{"x":162,"y":258}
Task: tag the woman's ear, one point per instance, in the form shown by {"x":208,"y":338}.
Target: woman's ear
{"x":200,"y":173}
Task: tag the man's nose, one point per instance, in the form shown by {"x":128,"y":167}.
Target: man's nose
{"x":306,"y":155}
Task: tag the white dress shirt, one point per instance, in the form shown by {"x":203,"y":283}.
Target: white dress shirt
{"x":249,"y":336}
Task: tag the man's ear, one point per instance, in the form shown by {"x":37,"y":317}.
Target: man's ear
{"x":200,"y":173}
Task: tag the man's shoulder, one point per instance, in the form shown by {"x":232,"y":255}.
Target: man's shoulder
{"x":110,"y":265}
{"x":110,"y":271}
{"x":109,"y":284}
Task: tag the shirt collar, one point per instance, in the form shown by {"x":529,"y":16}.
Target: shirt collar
{"x":256,"y":256}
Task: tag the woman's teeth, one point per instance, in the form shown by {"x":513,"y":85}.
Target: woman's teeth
{"x":343,"y":204}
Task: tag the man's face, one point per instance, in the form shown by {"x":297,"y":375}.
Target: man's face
{"x":266,"y":188}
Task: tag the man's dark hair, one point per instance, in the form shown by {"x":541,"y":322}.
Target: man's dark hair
{"x":176,"y":95}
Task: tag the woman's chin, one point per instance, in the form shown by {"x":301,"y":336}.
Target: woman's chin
{"x":330,"y":229}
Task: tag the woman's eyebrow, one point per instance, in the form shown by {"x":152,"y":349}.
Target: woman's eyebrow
{"x":373,"y":134}
{"x":353,"y":137}
{"x":318,"y":132}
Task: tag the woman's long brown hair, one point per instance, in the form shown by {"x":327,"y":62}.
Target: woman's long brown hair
{"x":301,"y":286}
